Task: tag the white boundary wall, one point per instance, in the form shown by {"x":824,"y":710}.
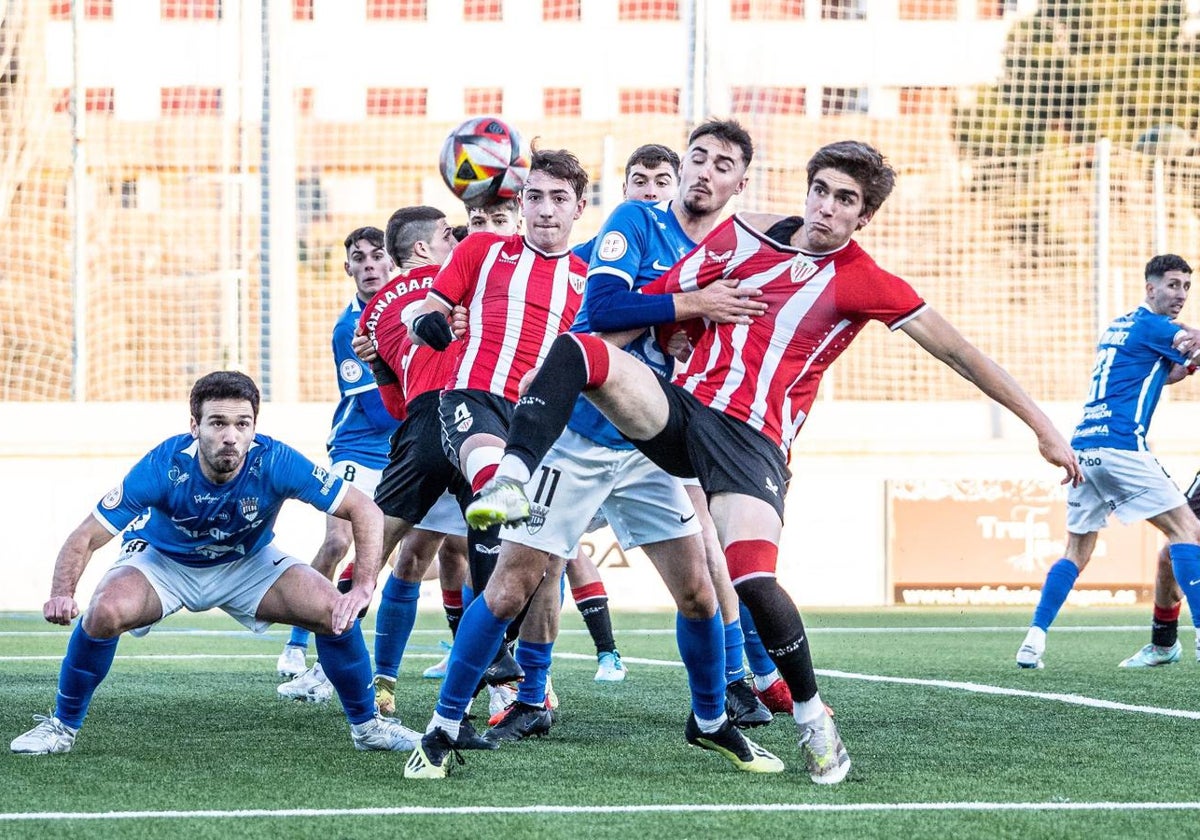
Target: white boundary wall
{"x":60,"y":458}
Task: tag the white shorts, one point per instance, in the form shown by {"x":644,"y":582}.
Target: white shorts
{"x":1133,"y":485}
{"x":643,"y":504}
{"x":445,"y":517}
{"x":236,"y":587}
{"x":363,"y":478}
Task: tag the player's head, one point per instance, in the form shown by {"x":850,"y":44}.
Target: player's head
{"x":714,"y":166}
{"x":419,"y":236}
{"x":651,"y":174}
{"x":1168,"y":281}
{"x":224,"y":408}
{"x":502,"y":217}
{"x":553,"y":198}
{"x":367,"y":261}
{"x":847,"y":183}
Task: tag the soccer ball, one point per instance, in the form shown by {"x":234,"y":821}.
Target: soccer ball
{"x":483,"y":161}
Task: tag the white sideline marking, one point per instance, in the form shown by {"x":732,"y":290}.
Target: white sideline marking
{"x":979,"y":688}
{"x":773,"y":807}
{"x":658,"y":631}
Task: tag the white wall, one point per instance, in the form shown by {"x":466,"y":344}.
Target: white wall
{"x":59,"y":459}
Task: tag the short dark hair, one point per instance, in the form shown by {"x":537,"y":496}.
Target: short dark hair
{"x":561,"y":164}
{"x":372,"y":234}
{"x":407,"y":227}
{"x":652,"y":156}
{"x":1160,"y":265}
{"x":730,"y":131}
{"x":488,"y":205}
{"x":862,"y":162}
{"x":223,"y":385}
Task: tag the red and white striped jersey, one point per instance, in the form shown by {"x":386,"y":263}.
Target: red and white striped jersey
{"x":766,"y":373}
{"x":418,"y":369}
{"x":518,"y":300}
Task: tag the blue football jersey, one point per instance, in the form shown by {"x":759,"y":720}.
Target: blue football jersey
{"x":354,"y":436}
{"x":166,"y":500}
{"x":585,"y":250}
{"x":638,"y":242}
{"x":1133,"y":360}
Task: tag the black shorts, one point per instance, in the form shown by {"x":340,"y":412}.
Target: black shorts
{"x":417,"y":472}
{"x":725,"y":454}
{"x":1193,"y":495}
{"x":466,"y":412}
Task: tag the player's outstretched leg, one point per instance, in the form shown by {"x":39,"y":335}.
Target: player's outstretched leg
{"x":86,"y":664}
{"x":1059,"y":581}
{"x":500,"y":502}
{"x":348,"y":667}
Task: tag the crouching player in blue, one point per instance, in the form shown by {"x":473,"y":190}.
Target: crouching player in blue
{"x":197,"y":515}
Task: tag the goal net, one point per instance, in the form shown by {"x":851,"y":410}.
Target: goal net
{"x":1045,"y":151}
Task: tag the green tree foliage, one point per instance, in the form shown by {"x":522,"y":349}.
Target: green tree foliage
{"x":1079,"y":70}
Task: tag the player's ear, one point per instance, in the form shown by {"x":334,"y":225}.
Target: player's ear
{"x":741,"y":185}
{"x":346,"y":267}
{"x":579,"y":207}
{"x":195,"y":428}
{"x":864,"y":218}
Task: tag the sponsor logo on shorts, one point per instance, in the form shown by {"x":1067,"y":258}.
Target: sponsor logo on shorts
{"x":772,"y":486}
{"x":113,"y":497}
{"x":1091,"y":461}
{"x":249,"y":508}
{"x":134,"y":547}
{"x":685,"y":519}
{"x":462,"y":418}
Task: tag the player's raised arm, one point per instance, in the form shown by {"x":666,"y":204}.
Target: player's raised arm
{"x":943,"y":341}
{"x":72,"y":559}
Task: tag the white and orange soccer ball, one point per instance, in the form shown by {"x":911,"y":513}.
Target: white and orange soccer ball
{"x":484,"y":160}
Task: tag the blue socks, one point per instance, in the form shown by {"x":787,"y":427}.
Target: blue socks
{"x":299,"y":637}
{"x":735,"y":649}
{"x":700,"y":641}
{"x":760,"y":661}
{"x":534,"y":658}
{"x":1055,"y":590}
{"x":83,"y":668}
{"x":479,"y":636}
{"x":347,"y":665}
{"x":1185,"y":561}
{"x":394,"y":624}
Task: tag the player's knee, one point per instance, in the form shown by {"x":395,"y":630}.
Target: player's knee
{"x":105,"y":619}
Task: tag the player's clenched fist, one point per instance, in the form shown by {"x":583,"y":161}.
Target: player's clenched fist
{"x":61,"y":609}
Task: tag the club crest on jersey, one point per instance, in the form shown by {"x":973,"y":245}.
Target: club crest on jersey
{"x":537,"y":518}
{"x":802,"y":268}
{"x":249,"y":508}
{"x":176,"y":476}
{"x":351,"y":371}
{"x":721,"y":257}
{"x":113,"y":497}
{"x":577,"y":282}
{"x":612,"y":247}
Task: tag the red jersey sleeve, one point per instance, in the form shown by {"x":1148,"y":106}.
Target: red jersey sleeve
{"x":873,"y":293}
{"x":456,"y":281}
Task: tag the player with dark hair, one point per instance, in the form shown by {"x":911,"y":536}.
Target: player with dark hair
{"x":730,"y":416}
{"x":1137,"y":355}
{"x":196,"y":516}
{"x":357,"y":445}
{"x":521,"y":572}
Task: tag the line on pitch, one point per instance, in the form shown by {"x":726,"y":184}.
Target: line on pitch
{"x":979,"y":688}
{"x":772,"y":807}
